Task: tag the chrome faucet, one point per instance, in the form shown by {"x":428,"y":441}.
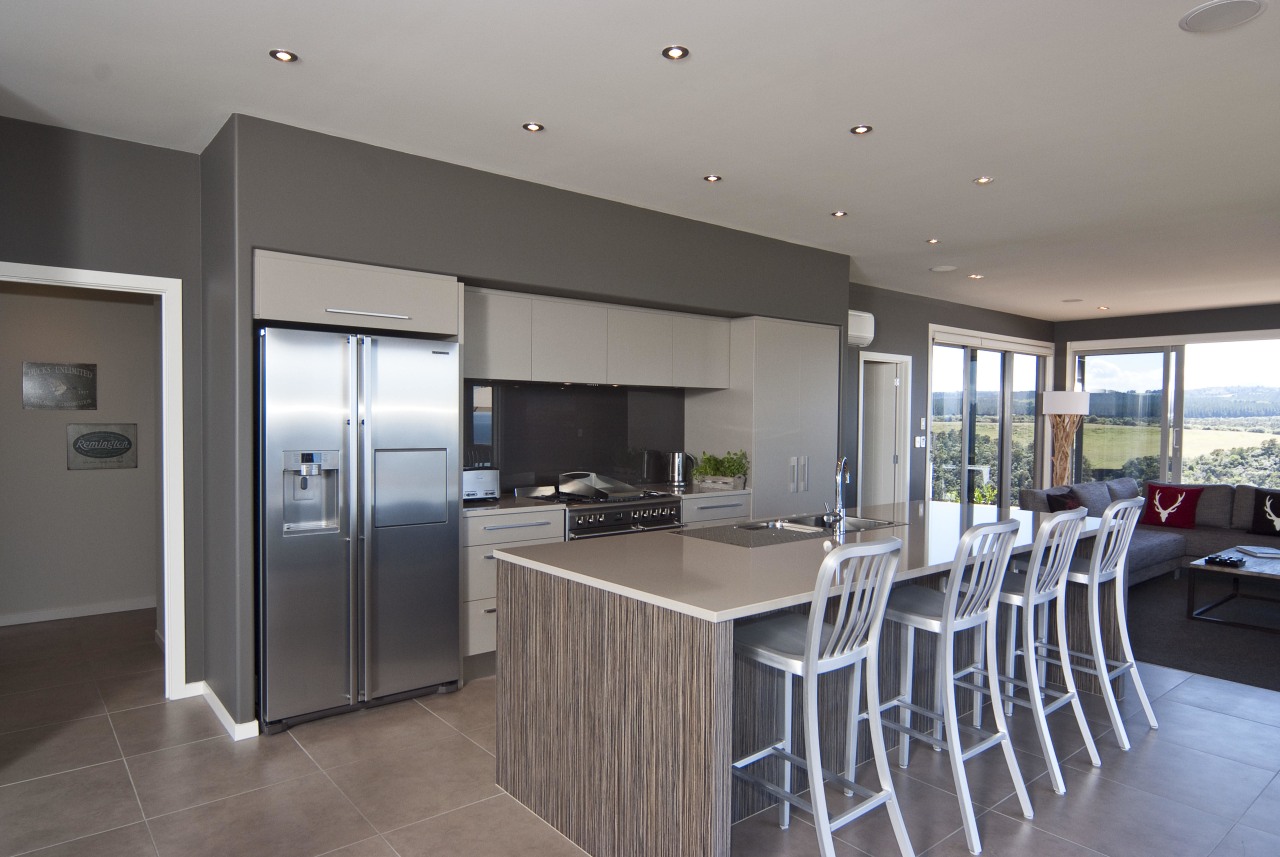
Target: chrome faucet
{"x":842,"y":479}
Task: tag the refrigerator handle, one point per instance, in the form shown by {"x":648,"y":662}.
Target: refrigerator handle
{"x":366,"y":505}
{"x":354,"y":548}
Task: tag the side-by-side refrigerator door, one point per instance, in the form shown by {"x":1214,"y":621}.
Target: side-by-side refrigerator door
{"x":409,"y":556}
{"x":306,"y":584}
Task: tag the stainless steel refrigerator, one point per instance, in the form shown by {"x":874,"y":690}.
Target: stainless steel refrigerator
{"x":358,"y":520}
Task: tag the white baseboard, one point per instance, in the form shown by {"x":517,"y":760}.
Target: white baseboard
{"x":237,"y":731}
{"x":75,"y":612}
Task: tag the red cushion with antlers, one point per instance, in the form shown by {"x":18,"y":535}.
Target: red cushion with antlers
{"x":1171,"y":505}
{"x":1266,"y":513}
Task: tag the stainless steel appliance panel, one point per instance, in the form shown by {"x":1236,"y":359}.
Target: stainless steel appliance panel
{"x":306,"y":598}
{"x":410,"y":571}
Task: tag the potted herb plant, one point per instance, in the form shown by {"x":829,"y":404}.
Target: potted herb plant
{"x":723,"y":472}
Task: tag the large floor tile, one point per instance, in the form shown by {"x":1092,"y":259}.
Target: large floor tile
{"x":1011,"y":837}
{"x":1238,"y":700}
{"x":473,"y":707}
{"x":1264,"y":813}
{"x":106,"y":631}
{"x":51,"y":810}
{"x":495,"y":827}
{"x":144,"y":657}
{"x":132,"y":691}
{"x":988,"y":774}
{"x":49,"y":705}
{"x":155,"y":727}
{"x":131,"y":841}
{"x":1182,"y":774}
{"x":48,"y":670}
{"x":409,"y":785}
{"x":1247,"y":741}
{"x":298,"y":818}
{"x":487,"y":738}
{"x":203,"y":771}
{"x":375,"y":846}
{"x":1119,"y":820}
{"x":349,"y":738}
{"x":931,"y":815}
{"x":1244,"y":841}
{"x":59,"y":747}
{"x":760,"y":836}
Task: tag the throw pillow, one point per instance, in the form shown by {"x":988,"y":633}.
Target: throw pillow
{"x":1266,"y":513}
{"x":1061,"y":502}
{"x":1171,"y":505}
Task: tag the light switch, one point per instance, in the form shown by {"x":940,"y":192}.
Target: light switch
{"x":920,"y":439}
{"x":922,"y":419}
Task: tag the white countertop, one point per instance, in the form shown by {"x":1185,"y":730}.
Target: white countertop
{"x":719,"y":582}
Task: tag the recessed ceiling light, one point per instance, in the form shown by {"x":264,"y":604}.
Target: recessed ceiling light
{"x":983,"y":180}
{"x":713,"y":178}
{"x":675,"y":52}
{"x":931,"y":241}
{"x":283,"y":55}
{"x":1104,"y":307}
{"x":975,"y":276}
{"x":859,"y":130}
{"x":1220,"y":15}
{"x":943,"y":269}
{"x":839,"y":214}
{"x":534,"y":127}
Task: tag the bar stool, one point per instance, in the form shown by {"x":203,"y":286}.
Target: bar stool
{"x":962,"y":604}
{"x":1030,"y":595}
{"x":859,"y":577}
{"x":1108,"y":562}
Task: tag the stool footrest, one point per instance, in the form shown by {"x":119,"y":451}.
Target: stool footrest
{"x":870,"y":799}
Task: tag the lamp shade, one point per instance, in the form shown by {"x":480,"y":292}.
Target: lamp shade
{"x":1065,"y":402}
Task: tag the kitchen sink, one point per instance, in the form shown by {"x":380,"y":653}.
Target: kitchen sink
{"x":794,"y":526}
{"x":813,"y":523}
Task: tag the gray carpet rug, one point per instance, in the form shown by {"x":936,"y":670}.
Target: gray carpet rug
{"x":1161,"y":633}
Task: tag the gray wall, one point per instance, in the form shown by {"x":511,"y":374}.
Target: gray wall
{"x":77,"y":200}
{"x":78,"y":542}
{"x":275,"y":187}
{"x":902,"y":327}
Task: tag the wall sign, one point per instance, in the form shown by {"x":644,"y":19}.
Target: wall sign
{"x":102,"y":446}
{"x":60,"y":386}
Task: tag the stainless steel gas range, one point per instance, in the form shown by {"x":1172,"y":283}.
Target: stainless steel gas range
{"x":598,"y":506}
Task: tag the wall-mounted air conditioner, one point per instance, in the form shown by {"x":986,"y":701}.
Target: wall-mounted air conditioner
{"x":862,"y":328}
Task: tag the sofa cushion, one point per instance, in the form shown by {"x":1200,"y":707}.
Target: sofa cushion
{"x":1035,"y":499}
{"x":1061,"y":502}
{"x":1215,"y":506}
{"x":1094,"y":496}
{"x":1124,"y":488}
{"x":1171,"y":505}
{"x":1266,"y":513}
{"x":1242,"y":508}
{"x":1151,"y":545}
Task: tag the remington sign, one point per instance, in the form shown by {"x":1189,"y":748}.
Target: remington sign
{"x":101,"y":446}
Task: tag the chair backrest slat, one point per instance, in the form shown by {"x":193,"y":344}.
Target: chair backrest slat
{"x":983,"y":553}
{"x":859,"y":575}
{"x":1111,"y":544}
{"x":1051,"y":554}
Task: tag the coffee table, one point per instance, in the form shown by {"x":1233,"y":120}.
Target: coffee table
{"x":1256,"y":567}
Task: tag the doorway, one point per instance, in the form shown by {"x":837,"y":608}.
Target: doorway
{"x":169,"y":293}
{"x":884,"y":428}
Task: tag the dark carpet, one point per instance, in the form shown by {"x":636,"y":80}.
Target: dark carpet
{"x":1162,"y":634}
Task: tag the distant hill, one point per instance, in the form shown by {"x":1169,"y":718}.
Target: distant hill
{"x":1205,"y":403}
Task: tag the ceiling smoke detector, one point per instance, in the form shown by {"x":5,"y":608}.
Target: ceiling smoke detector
{"x":1220,"y":15}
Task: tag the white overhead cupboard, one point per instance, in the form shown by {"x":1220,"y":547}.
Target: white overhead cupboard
{"x":782,"y":407}
{"x":516,"y":337}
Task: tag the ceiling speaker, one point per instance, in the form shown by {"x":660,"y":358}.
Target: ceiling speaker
{"x":1220,"y":15}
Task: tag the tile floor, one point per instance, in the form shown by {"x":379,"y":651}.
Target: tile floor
{"x":94,"y":761}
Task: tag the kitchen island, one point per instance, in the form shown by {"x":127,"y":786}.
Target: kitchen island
{"x":616,"y":684}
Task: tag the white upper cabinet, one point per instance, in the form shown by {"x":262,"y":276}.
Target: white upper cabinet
{"x":640,"y":350}
{"x":570,"y":341}
{"x":498,"y":342}
{"x":305,"y":289}
{"x":700,"y":352}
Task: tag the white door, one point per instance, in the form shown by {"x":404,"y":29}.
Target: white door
{"x":884,"y":429}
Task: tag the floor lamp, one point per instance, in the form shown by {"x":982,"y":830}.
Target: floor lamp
{"x":1065,"y":409}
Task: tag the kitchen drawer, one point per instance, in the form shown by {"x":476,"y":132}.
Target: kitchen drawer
{"x":513,"y":527}
{"x":479,"y":626}
{"x":715,"y":507}
{"x":480,"y":569}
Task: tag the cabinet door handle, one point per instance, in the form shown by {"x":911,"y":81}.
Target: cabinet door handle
{"x":721,"y":506}
{"x":804,"y":470}
{"x":491,"y":610}
{"x":488,"y":556}
{"x":795,"y":471}
{"x":363,"y":312}
{"x":517,"y":526}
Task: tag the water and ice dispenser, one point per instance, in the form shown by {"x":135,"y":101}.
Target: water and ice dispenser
{"x":311,"y":491}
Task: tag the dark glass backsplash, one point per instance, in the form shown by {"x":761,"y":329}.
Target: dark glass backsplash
{"x":543,"y":430}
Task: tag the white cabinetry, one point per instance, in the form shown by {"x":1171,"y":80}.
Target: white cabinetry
{"x":640,"y":348}
{"x":570,"y":341}
{"x":714,"y":508}
{"x":498,"y":342}
{"x":782,"y":407}
{"x":482,"y":530}
{"x":324,"y":291}
{"x":700,"y":351}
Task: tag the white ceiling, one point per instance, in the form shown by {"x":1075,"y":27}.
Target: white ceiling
{"x":1136,"y":165}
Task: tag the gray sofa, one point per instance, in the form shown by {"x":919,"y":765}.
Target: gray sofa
{"x":1223,"y":518}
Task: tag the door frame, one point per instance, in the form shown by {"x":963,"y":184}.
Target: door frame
{"x":902,"y":473}
{"x":169,"y":291}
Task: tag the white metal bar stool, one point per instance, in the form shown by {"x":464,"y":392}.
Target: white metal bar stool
{"x":859,"y":577}
{"x":1030,"y":595}
{"x":966,"y":601}
{"x":1107,"y":563}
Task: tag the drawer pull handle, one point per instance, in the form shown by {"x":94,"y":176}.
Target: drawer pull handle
{"x":517,"y":526}
{"x":721,"y":506}
{"x":491,"y":610}
{"x":363,"y":312}
{"x":488,"y":556}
